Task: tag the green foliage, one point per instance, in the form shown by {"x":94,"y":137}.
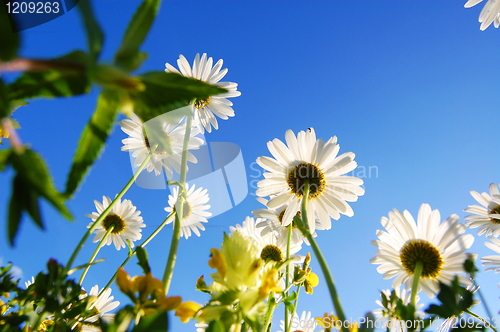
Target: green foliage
{"x":454,"y":298}
{"x":93,"y":138}
{"x":128,"y":56}
{"x":32,"y":181}
{"x":9,"y":39}
{"x":67,"y":77}
{"x":215,"y":326}
{"x":165,"y":92}
{"x":4,"y":101}
{"x":154,"y":322}
{"x":142,"y":256}
{"x":95,"y":36}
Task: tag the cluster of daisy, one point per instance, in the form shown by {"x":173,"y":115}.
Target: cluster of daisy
{"x":306,"y":184}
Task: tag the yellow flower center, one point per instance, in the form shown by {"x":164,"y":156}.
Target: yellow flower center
{"x":114,"y":220}
{"x":306,"y":172}
{"x":271,"y":253}
{"x":495,"y":210}
{"x":421,"y":251}
{"x":201,"y":103}
{"x":186,"y":210}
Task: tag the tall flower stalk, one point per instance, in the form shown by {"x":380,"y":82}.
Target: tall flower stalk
{"x":174,"y":244}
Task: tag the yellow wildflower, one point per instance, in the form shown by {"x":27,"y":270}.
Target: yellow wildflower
{"x":186,"y":310}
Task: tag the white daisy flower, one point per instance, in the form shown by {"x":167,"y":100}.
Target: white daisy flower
{"x":124,"y":217}
{"x":440,"y":247}
{"x":493,"y":260}
{"x":306,"y":158}
{"x":304,"y":323}
{"x":216,"y":105}
{"x":102,"y":306}
{"x":28,"y":283}
{"x":489,"y":14}
{"x":387,"y":315}
{"x":167,"y":158}
{"x":487,"y":216}
{"x":270,"y":246}
{"x":193,"y":212}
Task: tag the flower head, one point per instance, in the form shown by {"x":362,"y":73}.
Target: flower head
{"x":123,"y":217}
{"x":202,"y":70}
{"x":167,"y":154}
{"x":101,"y":305}
{"x":306,"y":159}
{"x":487,"y":216}
{"x":489,"y":14}
{"x":193,"y":211}
{"x":438,"y":247}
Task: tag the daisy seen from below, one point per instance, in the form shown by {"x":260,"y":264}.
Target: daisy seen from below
{"x":493,"y":261}
{"x":489,"y":14}
{"x":219,"y":105}
{"x":102,"y":305}
{"x":388,"y":314}
{"x":487,"y":216}
{"x":167,"y":158}
{"x":307,"y":159}
{"x":123,"y":217}
{"x":194,"y":209}
{"x":438,"y":247}
{"x":269,"y":246}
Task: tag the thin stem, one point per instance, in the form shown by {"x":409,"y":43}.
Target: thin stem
{"x":96,"y":251}
{"x":486,"y":323}
{"x":295,"y":303}
{"x":179,"y":207}
{"x":417,"y":272}
{"x":104,"y":214}
{"x":271,"y":305}
{"x":304,"y":228}
{"x":287,"y":274}
{"x":142,"y":245}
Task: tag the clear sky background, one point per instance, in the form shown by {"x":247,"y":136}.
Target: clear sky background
{"x":411,"y":87}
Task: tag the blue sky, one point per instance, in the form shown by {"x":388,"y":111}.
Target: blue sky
{"x":409,"y":86}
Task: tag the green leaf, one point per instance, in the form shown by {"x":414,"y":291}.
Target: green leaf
{"x":128,"y":56}
{"x":4,"y":102}
{"x":31,"y":182}
{"x":93,"y":137}
{"x":23,"y":198}
{"x":154,"y":322}
{"x":168,"y":91}
{"x":454,"y":298}
{"x":4,"y":158}
{"x":9,"y":39}
{"x":142,"y":256}
{"x":95,"y":36}
{"x":69,"y":80}
{"x":215,"y":326}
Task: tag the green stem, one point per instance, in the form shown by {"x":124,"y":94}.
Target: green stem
{"x":104,"y":214}
{"x":287,"y":274}
{"x":179,"y":207}
{"x":271,"y":305}
{"x":304,"y":228}
{"x":487,"y":324}
{"x":417,"y":272}
{"x":295,"y":303}
{"x":142,"y":245}
{"x":94,"y":255}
